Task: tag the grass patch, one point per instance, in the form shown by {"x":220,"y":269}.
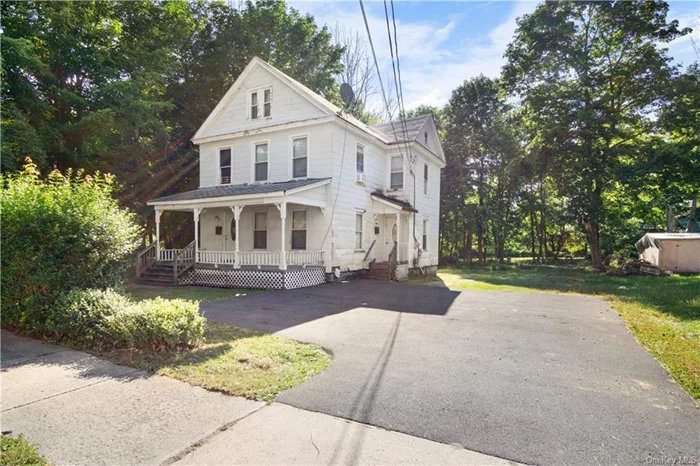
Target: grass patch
{"x":663,"y":312}
{"x":192,"y":293}
{"x":17,"y":451}
{"x":235,"y":361}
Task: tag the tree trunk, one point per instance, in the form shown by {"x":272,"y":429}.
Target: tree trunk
{"x":669,"y":219}
{"x":470,"y":236}
{"x":532,"y":234}
{"x":693,"y":220}
{"x":592,"y":238}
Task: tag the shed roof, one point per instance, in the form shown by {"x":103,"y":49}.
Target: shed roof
{"x":238,"y":190}
{"x":654,"y":240}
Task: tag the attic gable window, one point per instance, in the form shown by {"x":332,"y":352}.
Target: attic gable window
{"x":255,"y":97}
{"x":425,"y":137}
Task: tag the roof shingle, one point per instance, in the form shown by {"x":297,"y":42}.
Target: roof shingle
{"x":395,"y":134}
{"x":238,"y":190}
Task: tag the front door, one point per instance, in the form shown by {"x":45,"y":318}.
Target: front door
{"x":389,"y":235}
{"x":229,"y":234}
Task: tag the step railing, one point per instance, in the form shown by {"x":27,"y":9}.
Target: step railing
{"x":168,"y":255}
{"x":145,"y":259}
{"x":183,"y":261}
{"x":369,"y":250}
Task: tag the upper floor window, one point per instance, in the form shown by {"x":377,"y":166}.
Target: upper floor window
{"x":425,"y":137}
{"x":396,"y":181}
{"x":224,"y":166}
{"x":300,"y":149}
{"x":425,"y":179}
{"x":360,"y":159}
{"x":255,"y":96}
{"x":261,"y":163}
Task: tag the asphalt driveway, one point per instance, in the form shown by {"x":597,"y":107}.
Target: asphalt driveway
{"x":534,"y":378}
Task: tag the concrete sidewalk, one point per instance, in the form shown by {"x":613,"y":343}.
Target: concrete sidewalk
{"x":83,"y":410}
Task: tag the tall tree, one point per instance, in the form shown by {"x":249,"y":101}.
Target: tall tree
{"x":600,"y":66}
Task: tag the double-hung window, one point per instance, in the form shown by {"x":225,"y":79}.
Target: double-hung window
{"x":396,"y":181}
{"x":267,"y":102}
{"x":425,"y":234}
{"x":358,"y":230}
{"x":360,"y":159}
{"x":425,"y":179}
{"x":224,"y":166}
{"x":260,"y":231}
{"x":261,"y":162}
{"x":298,"y":229}
{"x":300,"y":157}
{"x":254,"y":106}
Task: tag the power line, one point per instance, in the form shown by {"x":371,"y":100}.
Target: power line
{"x":399,"y":84}
{"x":381,"y":82}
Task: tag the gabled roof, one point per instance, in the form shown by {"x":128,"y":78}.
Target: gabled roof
{"x":239,"y":190}
{"x":396,"y":132}
{"x":382,"y":132}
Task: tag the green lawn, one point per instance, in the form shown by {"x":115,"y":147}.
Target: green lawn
{"x":663,"y":312}
{"x":233,"y":360}
{"x":193,"y":293}
{"x":16,"y":451}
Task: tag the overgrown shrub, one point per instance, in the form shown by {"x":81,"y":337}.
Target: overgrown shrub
{"x":106,"y":320}
{"x":59,"y":233}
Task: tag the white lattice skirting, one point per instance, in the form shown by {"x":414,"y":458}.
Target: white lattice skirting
{"x":265,"y":279}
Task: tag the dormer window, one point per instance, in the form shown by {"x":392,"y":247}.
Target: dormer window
{"x":255,"y":97}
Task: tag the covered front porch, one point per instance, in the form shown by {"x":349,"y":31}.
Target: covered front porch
{"x":260,"y":236}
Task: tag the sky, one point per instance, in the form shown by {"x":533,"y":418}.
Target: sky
{"x":441,"y":44}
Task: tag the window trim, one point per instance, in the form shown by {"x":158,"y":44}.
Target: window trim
{"x":218,"y":165}
{"x":260,"y":91}
{"x":403,"y":173}
{"x":361,"y":213}
{"x":305,"y":230}
{"x":255,"y":230}
{"x":291,"y":155}
{"x":426,"y":179}
{"x":357,"y":151}
{"x":253,"y":145}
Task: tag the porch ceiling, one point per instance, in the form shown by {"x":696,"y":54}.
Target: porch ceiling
{"x":243,"y":194}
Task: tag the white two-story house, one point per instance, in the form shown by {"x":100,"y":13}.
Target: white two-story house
{"x":293,"y":190}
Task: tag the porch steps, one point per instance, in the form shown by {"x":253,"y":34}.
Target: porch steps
{"x":159,"y":274}
{"x":380,"y":271}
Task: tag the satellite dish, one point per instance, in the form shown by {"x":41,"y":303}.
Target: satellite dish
{"x":347,"y":94}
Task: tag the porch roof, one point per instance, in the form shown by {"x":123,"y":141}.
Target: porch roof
{"x":239,"y":190}
{"x":395,"y":203}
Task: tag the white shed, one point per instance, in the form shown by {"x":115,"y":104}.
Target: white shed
{"x":678,"y":252}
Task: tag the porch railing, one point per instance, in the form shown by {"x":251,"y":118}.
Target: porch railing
{"x":305,"y":258}
{"x":145,"y":259}
{"x":260,"y":258}
{"x":182,"y":261}
{"x":168,"y":255}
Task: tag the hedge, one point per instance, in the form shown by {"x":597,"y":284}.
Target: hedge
{"x":59,"y":233}
{"x":105,"y":320}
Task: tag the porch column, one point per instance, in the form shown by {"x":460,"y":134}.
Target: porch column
{"x":411,"y":238}
{"x":398,"y":237}
{"x":158,"y":213}
{"x":196,"y":234}
{"x":283,"y":217}
{"x":237,"y":216}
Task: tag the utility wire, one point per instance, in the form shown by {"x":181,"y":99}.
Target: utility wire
{"x":381,"y":82}
{"x":398,"y":83}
